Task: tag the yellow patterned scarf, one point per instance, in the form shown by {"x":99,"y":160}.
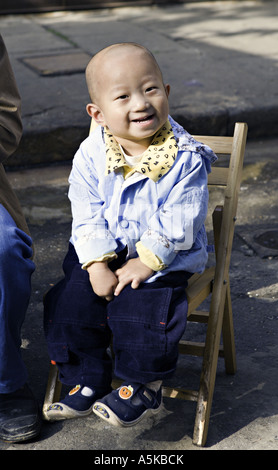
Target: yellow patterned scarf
{"x":156,"y":161}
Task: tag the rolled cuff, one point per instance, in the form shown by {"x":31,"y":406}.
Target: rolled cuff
{"x":149,"y":258}
{"x":160,"y":246}
{"x":107,"y":257}
{"x":90,"y":247}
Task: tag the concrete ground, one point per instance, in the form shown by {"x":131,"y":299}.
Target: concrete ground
{"x":220,"y":59}
{"x":245,"y":411}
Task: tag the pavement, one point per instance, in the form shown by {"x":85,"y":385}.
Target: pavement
{"x":221,"y":61}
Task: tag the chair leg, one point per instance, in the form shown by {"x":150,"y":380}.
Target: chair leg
{"x":203,"y":407}
{"x":204,"y":402}
{"x":228,"y":335}
{"x":208,"y":374}
{"x":53,"y":389}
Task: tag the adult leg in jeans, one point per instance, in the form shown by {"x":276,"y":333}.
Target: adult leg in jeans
{"x":16,"y":269}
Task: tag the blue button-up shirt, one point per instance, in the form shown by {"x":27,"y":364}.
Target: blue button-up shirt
{"x":165,"y":215}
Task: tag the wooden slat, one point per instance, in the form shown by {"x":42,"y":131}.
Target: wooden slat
{"x":199,"y":290}
{"x":217,"y":144}
{"x":194,"y":348}
{"x":180,"y":393}
{"x":218,"y":176}
{"x":198,"y":316}
{"x":198,"y":280}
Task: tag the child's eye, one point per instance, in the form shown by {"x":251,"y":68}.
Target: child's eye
{"x":122,"y":97}
{"x":150,"y":88}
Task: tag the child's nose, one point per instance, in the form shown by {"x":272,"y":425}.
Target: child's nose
{"x":140,"y":102}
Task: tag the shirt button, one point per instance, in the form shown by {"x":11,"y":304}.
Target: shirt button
{"x":124,"y":223}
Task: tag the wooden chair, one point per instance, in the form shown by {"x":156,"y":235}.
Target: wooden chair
{"x":213,"y":285}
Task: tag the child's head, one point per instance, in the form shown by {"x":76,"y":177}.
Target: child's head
{"x":128,"y":94}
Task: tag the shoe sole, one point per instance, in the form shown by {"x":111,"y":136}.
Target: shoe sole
{"x":105,"y":413}
{"x":60,"y":412}
{"x":22,"y":437}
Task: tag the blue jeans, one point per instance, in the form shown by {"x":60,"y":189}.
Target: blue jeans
{"x":16,"y":269}
{"x":146,"y":325}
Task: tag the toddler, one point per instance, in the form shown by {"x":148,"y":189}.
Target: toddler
{"x":138,"y":191}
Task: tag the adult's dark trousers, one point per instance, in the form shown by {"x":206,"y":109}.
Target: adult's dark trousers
{"x":146,"y":325}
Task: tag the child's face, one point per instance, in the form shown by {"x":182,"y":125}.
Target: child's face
{"x":132,"y":100}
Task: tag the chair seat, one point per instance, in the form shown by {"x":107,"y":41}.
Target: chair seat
{"x":198,"y":289}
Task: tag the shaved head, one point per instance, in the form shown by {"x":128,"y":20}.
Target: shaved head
{"x":99,"y":64}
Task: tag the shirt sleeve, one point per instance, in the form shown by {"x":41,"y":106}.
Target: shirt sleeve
{"x":10,"y":120}
{"x":90,"y":233}
{"x":174,"y":227}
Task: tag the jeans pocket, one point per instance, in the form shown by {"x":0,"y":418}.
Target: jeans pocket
{"x":138,"y":318}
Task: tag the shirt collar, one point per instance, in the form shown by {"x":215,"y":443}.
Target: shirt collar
{"x":156,"y":161}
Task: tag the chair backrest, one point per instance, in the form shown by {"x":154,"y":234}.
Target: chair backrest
{"x":228,"y":177}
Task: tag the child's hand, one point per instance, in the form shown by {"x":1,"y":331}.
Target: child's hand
{"x":134,"y":272}
{"x":103,"y":280}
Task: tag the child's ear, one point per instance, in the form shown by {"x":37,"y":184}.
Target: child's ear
{"x":95,"y":112}
{"x":167,"y":90}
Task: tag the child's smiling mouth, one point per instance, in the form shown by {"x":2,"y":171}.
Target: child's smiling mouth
{"x":143,"y":120}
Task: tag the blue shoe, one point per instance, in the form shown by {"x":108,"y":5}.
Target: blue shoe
{"x":74,"y":405}
{"x":127,"y":405}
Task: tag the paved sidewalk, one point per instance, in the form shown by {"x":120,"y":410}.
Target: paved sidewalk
{"x":245,"y":410}
{"x":219,"y":57}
